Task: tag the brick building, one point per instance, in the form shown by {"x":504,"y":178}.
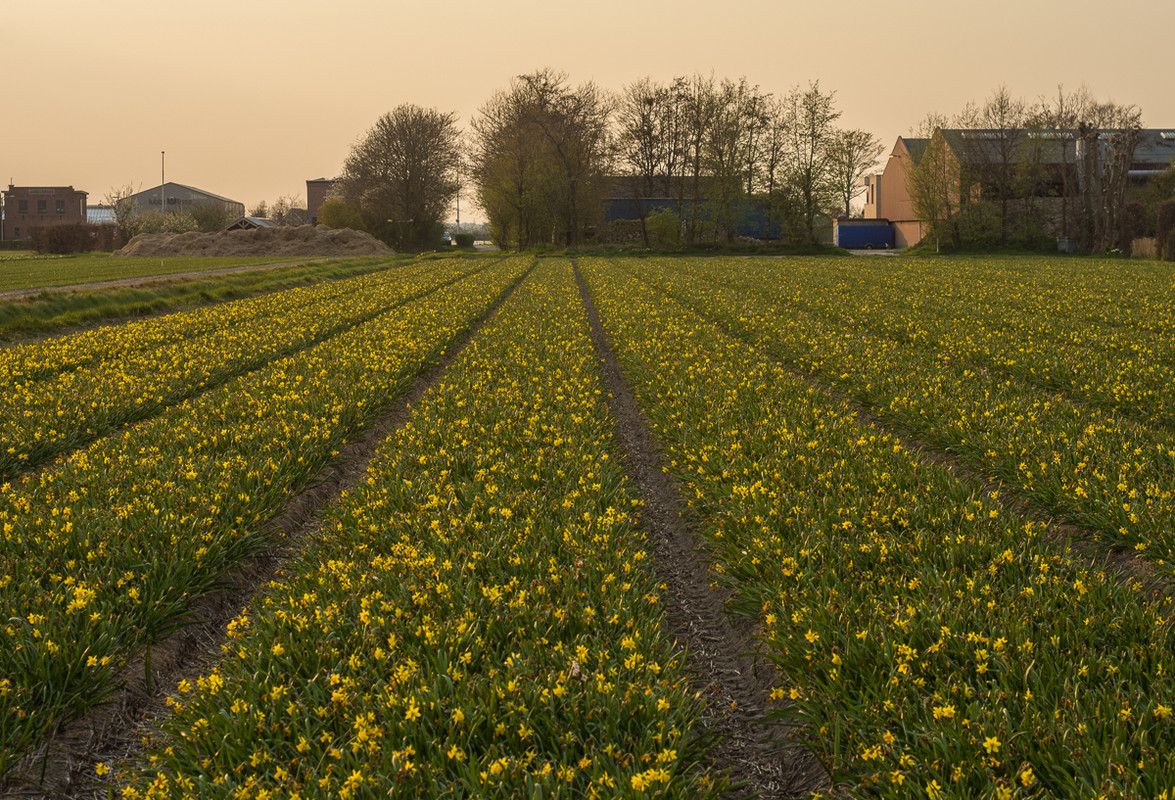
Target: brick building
{"x":317,"y":191}
{"x":28,"y":207}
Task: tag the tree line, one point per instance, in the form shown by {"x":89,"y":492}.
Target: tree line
{"x":701,"y":159}
{"x":541,"y":156}
{"x":1013,"y":173}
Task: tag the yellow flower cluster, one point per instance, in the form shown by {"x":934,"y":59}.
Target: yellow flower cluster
{"x":476,"y":619}
{"x":1056,"y":379}
{"x":68,"y":391}
{"x":927,"y":635}
{"x":106,"y":549}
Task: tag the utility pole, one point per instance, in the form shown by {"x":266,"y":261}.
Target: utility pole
{"x":162,"y":181}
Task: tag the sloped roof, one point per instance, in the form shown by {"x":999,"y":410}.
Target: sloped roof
{"x":915,"y":147}
{"x":203,"y":192}
{"x":979,"y":144}
{"x":210,"y":195}
{"x":246,"y":223}
{"x":1156,"y":146}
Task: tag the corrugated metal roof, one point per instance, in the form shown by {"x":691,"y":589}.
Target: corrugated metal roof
{"x":1051,"y":147}
{"x":251,"y":222}
{"x":100,"y":215}
{"x":1156,"y":147}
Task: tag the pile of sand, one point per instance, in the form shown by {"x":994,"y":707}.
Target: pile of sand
{"x":300,"y":242}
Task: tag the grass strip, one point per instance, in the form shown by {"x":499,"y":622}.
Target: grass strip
{"x":475,"y":620}
{"x":33,"y":272}
{"x":932,"y":644}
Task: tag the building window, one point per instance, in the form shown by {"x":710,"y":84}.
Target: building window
{"x":60,"y":206}
{"x":23,"y":206}
{"x":42,"y":206}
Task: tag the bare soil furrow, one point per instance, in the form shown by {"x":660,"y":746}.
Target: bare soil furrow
{"x":65,"y":769}
{"x":758,"y":755}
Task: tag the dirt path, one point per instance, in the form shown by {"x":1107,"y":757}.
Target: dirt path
{"x":17,"y":294}
{"x":112,"y":733}
{"x":735,"y":681}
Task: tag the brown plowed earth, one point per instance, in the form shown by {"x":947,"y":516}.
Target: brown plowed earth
{"x":760,"y":757}
{"x":114,"y":733}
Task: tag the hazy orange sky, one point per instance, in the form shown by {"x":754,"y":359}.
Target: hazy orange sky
{"x":251,"y":99}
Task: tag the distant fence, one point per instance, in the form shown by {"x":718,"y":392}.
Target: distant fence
{"x":1143,"y":248}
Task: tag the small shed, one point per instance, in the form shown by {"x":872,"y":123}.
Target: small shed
{"x":251,"y":224}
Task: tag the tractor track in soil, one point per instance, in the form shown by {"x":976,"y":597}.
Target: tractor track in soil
{"x":758,"y":755}
{"x":114,"y":732}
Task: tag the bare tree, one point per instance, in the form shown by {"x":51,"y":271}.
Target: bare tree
{"x":402,"y":175}
{"x":284,"y":210}
{"x":1106,"y":141}
{"x":126,"y":210}
{"x":935,"y":186}
{"x":851,"y":155}
{"x":543,"y":143}
{"x":649,"y":141}
{"x":775,"y":158}
{"x":811,"y":116}
{"x":1058,"y":120}
{"x":575,"y":124}
{"x":992,"y":148}
{"x":699,"y":103}
{"x":731,"y":149}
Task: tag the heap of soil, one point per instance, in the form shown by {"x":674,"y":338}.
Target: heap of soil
{"x":302,"y":241}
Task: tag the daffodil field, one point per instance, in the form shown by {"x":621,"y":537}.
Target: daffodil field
{"x":127,"y":373}
{"x":483,"y":616}
{"x":932,"y":643}
{"x":104,"y":550}
{"x":1016,"y":384}
{"x":869,"y":446}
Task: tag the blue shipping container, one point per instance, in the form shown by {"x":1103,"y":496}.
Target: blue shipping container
{"x":861,"y":235}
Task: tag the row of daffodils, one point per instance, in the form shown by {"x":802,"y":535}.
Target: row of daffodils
{"x":1076,"y":459}
{"x":929,"y":643}
{"x":65,"y":392}
{"x":38,"y":360}
{"x":104,"y":550}
{"x":477,"y":618}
